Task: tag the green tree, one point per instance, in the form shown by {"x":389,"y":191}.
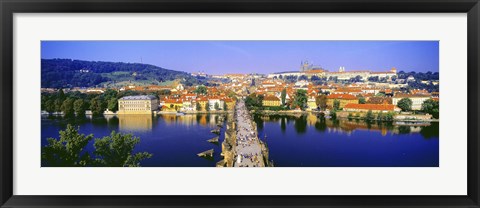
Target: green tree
{"x":300,"y":99}
{"x":362,"y":100}
{"x":116,"y":150}
{"x":79,"y":107}
{"x":66,"y":151}
{"x":260,"y":101}
{"x":380,"y":116}
{"x":333,"y":114}
{"x":217,"y":106}
{"x":43,"y":102}
{"x":336,"y":104}
{"x":369,"y":116}
{"x":198,"y":107}
{"x":389,"y":116}
{"x":225,"y":107}
{"x":58,"y":105}
{"x":432,"y":107}
{"x":207,"y":107}
{"x":201,"y":90}
{"x":50,"y":106}
{"x":61,"y":95}
{"x":254,"y":100}
{"x":283,"y":96}
{"x":321,"y":101}
{"x":96,"y":106}
{"x":113,"y":104}
{"x":67,"y":107}
{"x":110,"y":93}
{"x":380,"y":94}
{"x":405,"y":104}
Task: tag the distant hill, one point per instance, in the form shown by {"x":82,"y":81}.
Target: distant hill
{"x":61,"y":73}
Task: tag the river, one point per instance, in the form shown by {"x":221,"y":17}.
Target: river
{"x":293,"y":141}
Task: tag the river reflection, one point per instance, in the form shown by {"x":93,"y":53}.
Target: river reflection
{"x":309,"y":140}
{"x":304,"y":140}
{"x":302,"y":121}
{"x":173,"y":140}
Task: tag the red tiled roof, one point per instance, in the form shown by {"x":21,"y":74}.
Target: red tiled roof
{"x":314,"y":71}
{"x":403,"y":95}
{"x":388,"y":107}
{"x":342,"y":96}
{"x":348,"y":90}
{"x":387,"y":72}
{"x":173,"y":101}
{"x":202,"y":99}
{"x":271,"y":98}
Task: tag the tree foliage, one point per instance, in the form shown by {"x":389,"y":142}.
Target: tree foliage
{"x":254,"y":101}
{"x":198,"y":107}
{"x":369,"y":116}
{"x":113,"y":104}
{"x":321,"y":101}
{"x":432,"y":107}
{"x":202,"y":90}
{"x":97,"y":106}
{"x":300,"y":99}
{"x":362,"y":100}
{"x":62,"y":73}
{"x":283,"y":96}
{"x":336,"y":104}
{"x":116,"y":150}
{"x":79,"y":107}
{"x":67,"y":151}
{"x":58,"y":105}
{"x":405,"y":104}
{"x":67,"y":107}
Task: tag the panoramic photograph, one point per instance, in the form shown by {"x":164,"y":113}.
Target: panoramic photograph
{"x":234,"y":103}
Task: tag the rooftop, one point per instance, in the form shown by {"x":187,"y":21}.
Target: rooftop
{"x":139,"y":97}
{"x":342,"y":96}
{"x":388,"y":107}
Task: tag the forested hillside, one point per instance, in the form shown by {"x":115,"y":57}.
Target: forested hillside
{"x":61,"y":73}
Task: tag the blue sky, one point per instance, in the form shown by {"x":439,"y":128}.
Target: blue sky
{"x":219,"y":57}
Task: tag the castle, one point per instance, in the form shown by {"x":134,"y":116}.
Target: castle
{"x":310,"y":70}
{"x":305,"y":66}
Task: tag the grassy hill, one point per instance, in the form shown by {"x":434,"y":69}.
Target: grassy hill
{"x":63,"y":73}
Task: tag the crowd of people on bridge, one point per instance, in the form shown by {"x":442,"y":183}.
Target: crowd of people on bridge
{"x":248,"y":146}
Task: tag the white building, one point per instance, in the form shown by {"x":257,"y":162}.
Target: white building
{"x":139,"y":104}
{"x":212,"y":101}
{"x":417,"y":99}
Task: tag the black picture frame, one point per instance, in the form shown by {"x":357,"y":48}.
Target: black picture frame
{"x":10,"y":7}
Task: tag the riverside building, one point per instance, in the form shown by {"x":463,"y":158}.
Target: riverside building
{"x":139,"y":104}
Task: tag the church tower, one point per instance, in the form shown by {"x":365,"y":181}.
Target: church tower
{"x":304,"y":66}
{"x":341,"y":69}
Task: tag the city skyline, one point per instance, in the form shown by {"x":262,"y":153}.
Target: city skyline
{"x":223,"y":57}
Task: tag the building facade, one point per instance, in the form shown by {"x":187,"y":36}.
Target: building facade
{"x":375,"y":108}
{"x":271,"y":101}
{"x":140,"y":104}
{"x":417,"y":99}
{"x":344,"y":99}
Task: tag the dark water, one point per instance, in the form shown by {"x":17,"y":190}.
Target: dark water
{"x":294,"y":141}
{"x":313,"y":141}
{"x":173,"y":140}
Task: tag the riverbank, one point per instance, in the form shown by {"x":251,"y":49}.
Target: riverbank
{"x":195,"y":112}
{"x":350,"y":115}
